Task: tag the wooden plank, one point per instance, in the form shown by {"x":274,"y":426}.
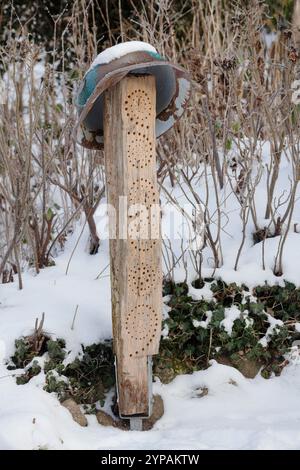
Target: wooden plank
{"x":135,"y":253}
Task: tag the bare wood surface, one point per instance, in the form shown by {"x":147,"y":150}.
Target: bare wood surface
{"x":129,"y":142}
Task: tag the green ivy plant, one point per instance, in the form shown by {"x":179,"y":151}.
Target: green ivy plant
{"x":189,"y":344}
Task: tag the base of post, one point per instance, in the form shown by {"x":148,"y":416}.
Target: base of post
{"x":136,"y":417}
{"x":136,"y":424}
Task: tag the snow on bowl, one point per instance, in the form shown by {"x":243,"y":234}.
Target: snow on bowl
{"x":133,"y":57}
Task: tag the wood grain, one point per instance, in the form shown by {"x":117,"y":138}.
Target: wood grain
{"x":135,"y":252}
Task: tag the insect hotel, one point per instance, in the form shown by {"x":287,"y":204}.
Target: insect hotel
{"x":129,"y":97}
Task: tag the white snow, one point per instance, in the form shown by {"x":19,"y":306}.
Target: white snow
{"x":204,"y":293}
{"x":273,"y":325}
{"x":250,"y":268}
{"x":31,"y":83}
{"x":231,"y":314}
{"x":237,"y":413}
{"x":58,"y":294}
{"x":117,"y":51}
{"x":203,"y":323}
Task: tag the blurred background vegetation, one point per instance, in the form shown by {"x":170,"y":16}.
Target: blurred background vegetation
{"x":41,"y":19}
{"x":243,"y":93}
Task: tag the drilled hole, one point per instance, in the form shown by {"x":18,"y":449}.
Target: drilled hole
{"x":143,"y":321}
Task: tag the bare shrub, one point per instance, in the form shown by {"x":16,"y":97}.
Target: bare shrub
{"x":215,"y":157}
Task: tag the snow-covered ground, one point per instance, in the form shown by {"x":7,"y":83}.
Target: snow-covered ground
{"x":236,"y":413}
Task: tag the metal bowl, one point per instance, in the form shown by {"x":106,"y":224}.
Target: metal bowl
{"x":172,"y":90}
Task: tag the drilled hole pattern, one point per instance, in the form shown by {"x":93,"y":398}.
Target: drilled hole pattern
{"x":144,"y":246}
{"x":144,"y":320}
{"x":142,"y":196}
{"x":143,"y":192}
{"x":136,"y":100}
{"x":140,"y":153}
{"x":142,"y":278}
{"x":140,"y":149}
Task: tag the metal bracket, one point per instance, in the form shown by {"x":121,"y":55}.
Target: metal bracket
{"x":136,"y":424}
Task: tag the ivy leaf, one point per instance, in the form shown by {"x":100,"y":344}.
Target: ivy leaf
{"x":256,"y":308}
{"x":49,"y":214}
{"x":228,"y":144}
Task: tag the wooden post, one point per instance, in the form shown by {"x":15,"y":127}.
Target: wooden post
{"x":135,"y":252}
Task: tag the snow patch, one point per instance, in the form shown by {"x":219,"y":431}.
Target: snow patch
{"x":117,"y":51}
{"x":274,"y":324}
{"x":204,"y":323}
{"x":231,"y":314}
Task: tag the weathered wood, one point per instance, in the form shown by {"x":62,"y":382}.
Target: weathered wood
{"x":130,"y":161}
